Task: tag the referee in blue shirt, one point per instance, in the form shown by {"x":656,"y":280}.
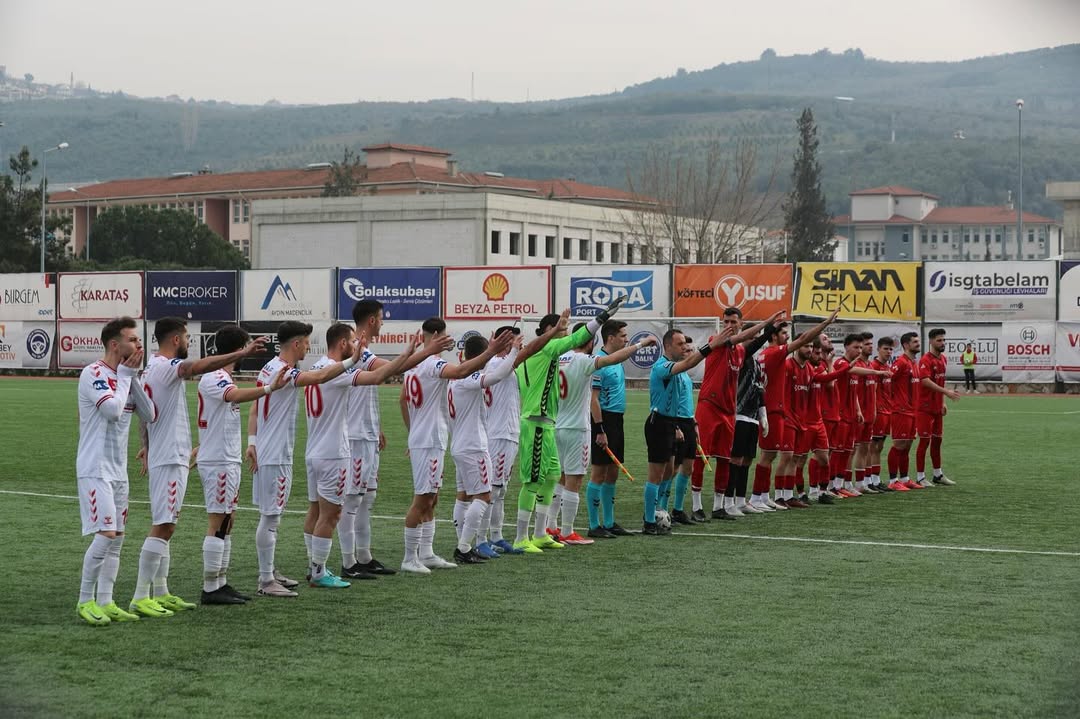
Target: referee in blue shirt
{"x":608,"y":407}
{"x":671,"y":402}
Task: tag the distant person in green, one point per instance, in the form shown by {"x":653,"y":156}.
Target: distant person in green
{"x":968,"y":358}
{"x":538,"y":460}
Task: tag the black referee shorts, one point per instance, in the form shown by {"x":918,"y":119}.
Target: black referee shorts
{"x":613,"y":428}
{"x":659,"y":438}
{"x":687,"y":448}
{"x":746,"y":440}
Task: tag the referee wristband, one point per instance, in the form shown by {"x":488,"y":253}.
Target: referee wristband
{"x":251,"y":440}
{"x":705,"y":350}
{"x":599,"y":426}
{"x":347,"y":363}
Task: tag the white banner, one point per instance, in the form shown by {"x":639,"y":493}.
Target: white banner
{"x":1029,"y":351}
{"x":28,"y":297}
{"x":985,"y":340}
{"x":838,"y":330}
{"x":25,"y":345}
{"x":280,"y":295}
{"x":195,"y":343}
{"x":496,"y":293}
{"x":985,"y":291}
{"x":1068,"y":351}
{"x":80,"y":342}
{"x":100,"y":295}
{"x":587,"y":289}
{"x":1069,"y":292}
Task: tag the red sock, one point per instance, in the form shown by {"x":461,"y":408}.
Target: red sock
{"x":799,"y":479}
{"x":905,"y":463}
{"x":860,"y":475}
{"x":935,"y":452}
{"x":823,"y":476}
{"x":847,"y":476}
{"x":876,"y":470}
{"x":723,"y":473}
{"x":920,"y":454}
{"x":762,"y":475}
{"x":894,"y":462}
{"x":697,"y":475}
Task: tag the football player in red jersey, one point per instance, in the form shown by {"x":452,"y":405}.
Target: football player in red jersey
{"x":932,"y":409}
{"x":881,"y":362}
{"x":868,"y":398}
{"x":905,"y":397}
{"x":778,"y":441}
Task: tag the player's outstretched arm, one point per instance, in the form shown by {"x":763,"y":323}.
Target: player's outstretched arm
{"x":701,"y":353}
{"x":927,"y":383}
{"x":541,"y":342}
{"x":410,"y":357}
{"x":250,"y":394}
{"x":751,"y":332}
{"x":867,"y":372}
{"x":189,"y":368}
{"x":812,"y":333}
{"x":504,"y":370}
{"x":330,"y":371}
{"x":624,"y":354}
{"x":466,"y":368}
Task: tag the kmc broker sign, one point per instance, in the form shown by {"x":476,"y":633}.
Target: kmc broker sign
{"x":878,"y":290}
{"x":197,"y":296}
{"x":759,"y":291}
{"x":994,"y":292}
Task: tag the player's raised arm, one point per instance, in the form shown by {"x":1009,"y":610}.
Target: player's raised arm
{"x":406,"y":360}
{"x":624,"y":354}
{"x":927,"y":383}
{"x":250,"y":394}
{"x":749,"y":333}
{"x":540,"y":342}
{"x":504,"y":370}
{"x":109,"y":402}
{"x":192,"y":367}
{"x":466,"y":368}
{"x":144,"y":406}
{"x":696,"y":357}
{"x":330,"y":371}
{"x":812,"y":333}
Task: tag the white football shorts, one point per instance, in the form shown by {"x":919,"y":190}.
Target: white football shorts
{"x":503,"y":453}
{"x":271,"y":487}
{"x":365,"y":466}
{"x":221,"y":486}
{"x":574,"y":446}
{"x":326,"y":479}
{"x":103,"y":504}
{"x":427,"y":469}
{"x":168,"y":485}
{"x":473,"y":473}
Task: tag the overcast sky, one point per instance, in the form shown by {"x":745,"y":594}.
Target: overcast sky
{"x":329,"y":51}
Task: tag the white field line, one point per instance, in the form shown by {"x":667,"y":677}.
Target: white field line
{"x":804,"y":540}
{"x":1003,"y":411}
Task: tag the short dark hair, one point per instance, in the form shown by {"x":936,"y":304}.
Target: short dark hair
{"x":852,"y":338}
{"x":434,"y":325}
{"x":513,"y":329}
{"x":936,"y":332}
{"x":886,"y":342}
{"x":364,"y":309}
{"x":167,"y":326}
{"x":547,"y":322}
{"x":291,"y":329}
{"x":905,"y":339}
{"x":475,"y":346}
{"x":337,"y":332}
{"x":579,"y":325}
{"x":733,"y":311}
{"x":229,"y":339}
{"x":867,"y":336}
{"x":670,"y":335}
{"x":817,"y":342}
{"x":611,"y":328}
{"x":113,"y":329}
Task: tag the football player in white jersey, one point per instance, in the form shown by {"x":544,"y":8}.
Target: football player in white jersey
{"x":167,"y":452}
{"x":425,"y":412}
{"x":219,"y":456}
{"x":572,"y":429}
{"x":327,"y":452}
{"x":109,"y":392}
{"x":271,"y":436}
{"x":467,"y":402}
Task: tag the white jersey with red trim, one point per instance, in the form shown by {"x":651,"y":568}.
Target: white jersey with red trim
{"x":467,"y":401}
{"x":429,"y":417}
{"x":327,"y":405}
{"x":218,"y":420}
{"x":103,"y":433}
{"x":170,"y":436}
{"x":275,"y":415}
{"x":364,"y":404}
{"x":504,"y":410}
{"x":575,"y":390}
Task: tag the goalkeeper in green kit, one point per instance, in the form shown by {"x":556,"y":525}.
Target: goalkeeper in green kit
{"x":538,"y":458}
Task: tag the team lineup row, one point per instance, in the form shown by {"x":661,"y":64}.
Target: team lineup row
{"x":490,"y":418}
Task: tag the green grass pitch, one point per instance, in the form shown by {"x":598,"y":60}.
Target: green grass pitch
{"x":745,"y":619}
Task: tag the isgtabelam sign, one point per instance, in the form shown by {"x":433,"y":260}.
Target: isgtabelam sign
{"x":496,"y":293}
{"x":989,"y":292}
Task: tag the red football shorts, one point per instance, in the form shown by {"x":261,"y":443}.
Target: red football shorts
{"x":811,"y":438}
{"x":902,"y":426}
{"x":773,"y":442}
{"x":881,"y":425}
{"x":928,"y":425}
{"x":790,"y":433}
{"x":832,"y":430}
{"x":716,"y":430}
{"x":865,"y":430}
{"x":849,"y":434}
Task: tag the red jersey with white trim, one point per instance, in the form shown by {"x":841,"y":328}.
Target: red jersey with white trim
{"x":275,"y":415}
{"x":105,"y":408}
{"x":773,"y":360}
{"x":905,"y":385}
{"x":884,"y":396}
{"x":720,"y":385}
{"x":218,"y":420}
{"x":800,"y":413}
{"x":848,"y":391}
{"x":327,"y":407}
{"x":868,"y":394}
{"x":933,"y":367}
{"x":429,"y":417}
{"x":170,"y":436}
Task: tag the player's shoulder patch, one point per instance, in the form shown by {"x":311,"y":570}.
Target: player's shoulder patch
{"x":475,"y":375}
{"x":223,"y":383}
{"x":101,"y":385}
{"x":175,"y":361}
{"x":440,"y":364}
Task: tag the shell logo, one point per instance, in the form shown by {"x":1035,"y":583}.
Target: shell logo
{"x":495,"y":287}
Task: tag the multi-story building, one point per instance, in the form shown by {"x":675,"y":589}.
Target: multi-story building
{"x":898,"y":223}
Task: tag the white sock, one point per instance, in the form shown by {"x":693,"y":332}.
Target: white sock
{"x":498,"y":512}
{"x":695,"y":497}
{"x":461,"y":506}
{"x":346,"y":529}
{"x":540,"y":525}
{"x":226,"y":557}
{"x":570,"y":503}
{"x":938,"y":474}
{"x":729,"y":502}
{"x":427,"y":539}
{"x":161,"y":577}
{"x":92,"y":563}
{"x":109,"y":569}
{"x":320,"y":552}
{"x":523,"y":518}
{"x":717,"y":502}
{"x":740,"y":502}
{"x":265,"y":542}
{"x":756,"y":499}
{"x":363,"y":528}
{"x":307,"y":545}
{"x":485,"y":525}
{"x":212,"y":550}
{"x":555,"y":506}
{"x":412,"y":543}
{"x":473,"y":516}
{"x":153,"y":551}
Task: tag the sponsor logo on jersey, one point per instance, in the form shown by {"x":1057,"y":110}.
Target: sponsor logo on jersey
{"x":590,"y":295}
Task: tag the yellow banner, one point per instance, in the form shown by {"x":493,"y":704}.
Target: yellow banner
{"x":870,"y":290}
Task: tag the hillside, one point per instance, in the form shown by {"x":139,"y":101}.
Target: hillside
{"x":597,"y":139}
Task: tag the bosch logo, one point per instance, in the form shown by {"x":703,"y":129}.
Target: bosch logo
{"x":645,"y":357}
{"x":1028,"y":334}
